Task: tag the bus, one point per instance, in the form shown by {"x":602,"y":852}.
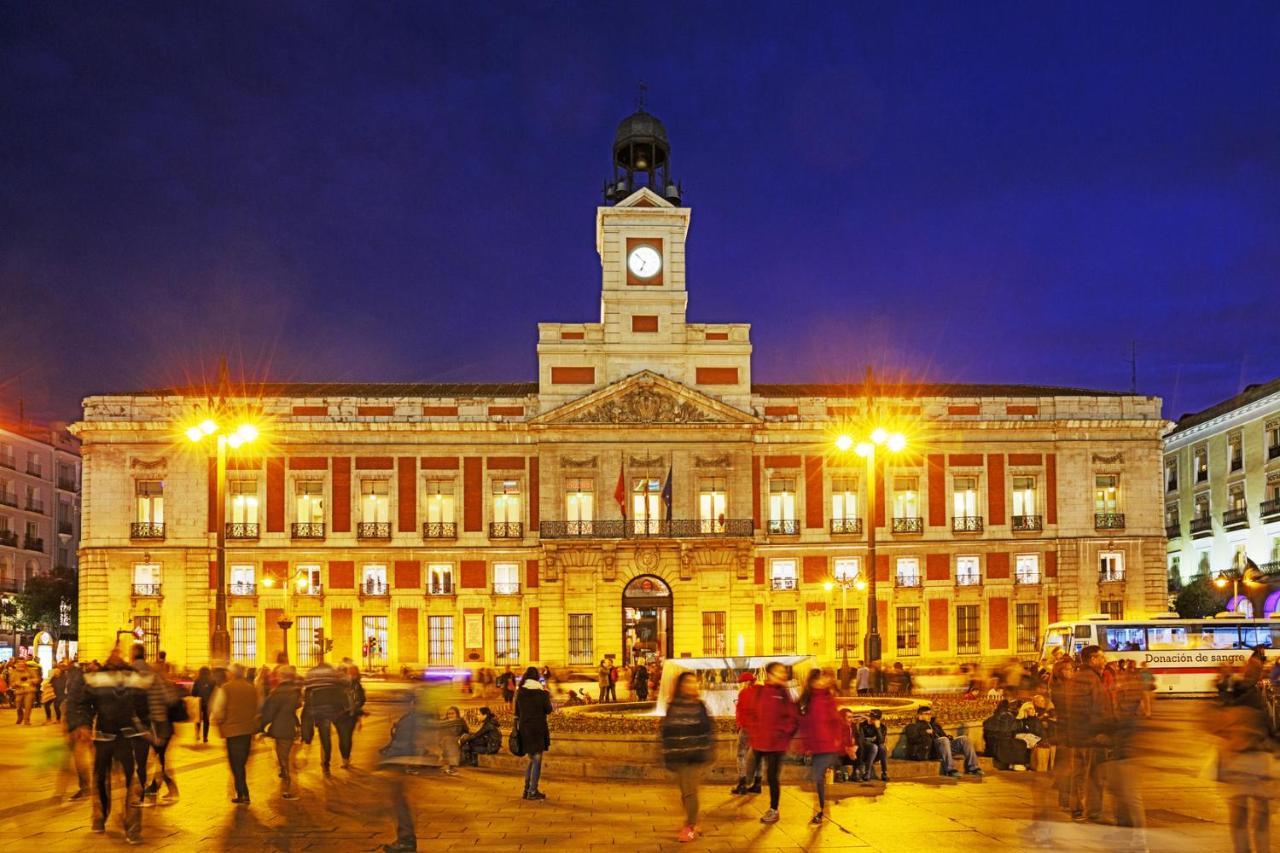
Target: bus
{"x":1183,"y":654}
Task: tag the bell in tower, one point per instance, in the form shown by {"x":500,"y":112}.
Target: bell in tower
{"x":641,"y":158}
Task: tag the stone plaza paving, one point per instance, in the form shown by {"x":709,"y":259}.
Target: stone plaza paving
{"x":482,"y":810}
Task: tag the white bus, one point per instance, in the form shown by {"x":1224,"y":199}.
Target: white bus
{"x":1184,"y":654}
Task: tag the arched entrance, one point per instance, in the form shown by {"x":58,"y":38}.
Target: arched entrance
{"x":646,"y":619}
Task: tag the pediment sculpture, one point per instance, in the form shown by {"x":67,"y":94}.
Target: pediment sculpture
{"x":645,"y":405}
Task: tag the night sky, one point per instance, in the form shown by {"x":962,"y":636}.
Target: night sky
{"x":324,"y":191}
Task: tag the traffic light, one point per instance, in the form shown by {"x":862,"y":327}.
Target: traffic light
{"x":319,"y":637}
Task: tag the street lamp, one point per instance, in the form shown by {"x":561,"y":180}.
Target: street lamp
{"x":244,"y":433}
{"x":893,"y":442}
{"x":1236,"y":576}
{"x":845,"y":582}
{"x":284,"y":622}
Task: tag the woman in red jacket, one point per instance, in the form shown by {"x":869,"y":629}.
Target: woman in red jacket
{"x":775,"y":721}
{"x":823,"y":733}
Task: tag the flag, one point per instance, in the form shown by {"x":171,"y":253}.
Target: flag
{"x":620,"y":493}
{"x":666,"y":492}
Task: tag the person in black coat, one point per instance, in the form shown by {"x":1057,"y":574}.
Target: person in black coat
{"x":485,"y":740}
{"x":202,"y":688}
{"x":687,"y":743}
{"x":533,"y":706}
{"x":114,"y":707}
{"x":640,"y":682}
{"x":872,"y":737}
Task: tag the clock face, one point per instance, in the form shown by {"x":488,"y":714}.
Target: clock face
{"x":644,"y":262}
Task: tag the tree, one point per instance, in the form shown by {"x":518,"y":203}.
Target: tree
{"x":39,"y":604}
{"x":1200,"y":599}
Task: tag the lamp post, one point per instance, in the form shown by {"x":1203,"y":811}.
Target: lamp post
{"x":845,"y":582}
{"x":220,"y":641}
{"x":285,"y":622}
{"x":894,"y":443}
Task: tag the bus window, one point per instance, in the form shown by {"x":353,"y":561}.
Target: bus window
{"x":1125,"y":638}
{"x":1214,"y":637}
{"x":1056,"y":638}
{"x":1167,"y":638}
{"x":1267,"y":636}
{"x":1084,"y":632}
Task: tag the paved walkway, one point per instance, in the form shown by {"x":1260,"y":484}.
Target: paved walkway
{"x":481,"y":810}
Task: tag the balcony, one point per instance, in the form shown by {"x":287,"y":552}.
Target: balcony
{"x":373,"y":587}
{"x":440,"y":586}
{"x":9,"y":500}
{"x":307,"y":530}
{"x":66,"y":528}
{"x":1270,"y":568}
{"x":783,"y":527}
{"x":1269,"y":509}
{"x":1201,"y":527}
{"x":506,"y":587}
{"x":1028,"y":523}
{"x":146,"y":590}
{"x":909,"y":524}
{"x":783,"y":583}
{"x":9,"y":538}
{"x":146,"y":530}
{"x":506,"y":530}
{"x":35,"y":506}
{"x":1026,"y":578}
{"x":373,"y":530}
{"x":35,"y":471}
{"x":1172,"y":531}
{"x":667,"y":528}
{"x":312,"y":590}
{"x":1273,"y":452}
{"x":439,"y":530}
{"x":907,"y":581}
{"x":242,"y":530}
{"x":10,"y":585}
{"x":1234,"y":519}
{"x":1170,"y":486}
{"x":33,"y":544}
{"x":970,"y":579}
{"x":966,"y":524}
{"x":8,"y":462}
{"x":846,"y":527}
{"x":67,"y":485}
{"x":243,"y":588}
{"x":1237,"y":464}
{"x":1108,"y":521}
{"x":1107,"y":576}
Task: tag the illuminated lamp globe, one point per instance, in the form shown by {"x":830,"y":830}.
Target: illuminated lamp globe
{"x":864,"y":448}
{"x":880,"y":435}
{"x":208,"y":427}
{"x":844,"y":443}
{"x":235,"y":440}
{"x":897,"y":441}
{"x":247,"y":432}
{"x":194,"y":433}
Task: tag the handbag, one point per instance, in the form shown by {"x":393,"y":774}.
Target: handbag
{"x":513,"y":739}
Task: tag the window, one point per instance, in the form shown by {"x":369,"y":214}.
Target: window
{"x":244,"y":501}
{"x":506,"y":639}
{"x":581,"y":636}
{"x":309,"y":580}
{"x":968,"y":571}
{"x":783,"y":574}
{"x":1171,"y":520}
{"x":1202,"y":565}
{"x":244,"y":640}
{"x":1240,"y":559}
{"x":146,"y":578}
{"x":374,"y":640}
{"x":375,"y":501}
{"x":908,"y":631}
{"x":1235,"y":453}
{"x":1171,"y":475}
{"x":714,"y":642}
{"x":309,"y":653}
{"x":506,"y":501}
{"x":242,"y":579}
{"x":150,"y":626}
{"x":967,"y":628}
{"x":34,"y":464}
{"x":906,"y":497}
{"x":33,"y":530}
{"x":964,"y":497}
{"x":1175,"y":571}
{"x":150,"y":497}
{"x":1235,"y":497}
{"x":439,"y":501}
{"x":908,"y":571}
{"x":439,"y":640}
{"x":506,"y":578}
{"x":1106,"y":494}
{"x":846,"y":569}
{"x":1111,"y":565}
{"x":1213,"y":637}
{"x":782,"y":505}
{"x":846,"y":628}
{"x":1113,"y":608}
{"x":713,"y":505}
{"x":1027,"y":626}
{"x":440,"y":578}
{"x":784,"y":632}
{"x":844,"y":498}
{"x":1267,"y":636}
{"x":1124,"y":638}
{"x":1200,"y":464}
{"x":1273,"y":439}
{"x":1024,"y":496}
{"x":373,"y":579}
{"x":579,"y":503}
{"x":1027,"y":568}
{"x":309,"y":501}
{"x":645,"y":495}
{"x":1201,"y":505}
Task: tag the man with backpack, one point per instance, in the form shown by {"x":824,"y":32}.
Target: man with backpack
{"x":326,"y":697}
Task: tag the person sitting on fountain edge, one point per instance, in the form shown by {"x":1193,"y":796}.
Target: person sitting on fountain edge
{"x":926,"y":738}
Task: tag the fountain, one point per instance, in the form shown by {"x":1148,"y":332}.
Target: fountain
{"x":718,"y":679}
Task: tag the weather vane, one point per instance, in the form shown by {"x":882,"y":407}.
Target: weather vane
{"x":643,"y":90}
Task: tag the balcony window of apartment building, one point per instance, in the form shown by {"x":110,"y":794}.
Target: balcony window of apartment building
{"x":1200,"y":464}
{"x":967,"y":628}
{"x":1026,"y":513}
{"x":507,"y":519}
{"x":1200,"y":506}
{"x":579,"y":504}
{"x":1026,"y":616}
{"x":908,"y":573}
{"x":309,"y":580}
{"x":35,"y":465}
{"x":8,"y":496}
{"x":784,"y":632}
{"x":846,"y":569}
{"x":782,"y":505}
{"x":438,"y":500}
{"x":506,"y":639}
{"x":964,"y":498}
{"x":968,"y":571}
{"x":1235,"y":497}
{"x":1172,"y":519}
{"x":1106,"y":502}
{"x":242,"y":579}
{"x":846,"y":628}
{"x":309,"y":502}
{"x":506,"y":578}
{"x":1111,"y":566}
{"x":6,"y":455}
{"x":1202,"y":562}
{"x":33,"y":536}
{"x":375,"y":501}
{"x":146,"y":578}
{"x":373,"y":579}
{"x":1026,"y":568}
{"x":244,"y":640}
{"x":844,"y":504}
{"x":1273,"y":439}
{"x":581,"y":639}
{"x":1235,"y":452}
{"x":244,"y":505}
{"x":713,"y":505}
{"x":149,"y":497}
{"x":1113,"y":608}
{"x":906,"y":497}
{"x":907,"y":631}
{"x":440,"y":578}
{"x":35,"y":500}
{"x":439,"y":640}
{"x":308,"y":650}
{"x":782,"y":574}
{"x":1171,"y":475}
{"x":646,"y":500}
{"x":375,"y":639}
{"x":714,"y":642}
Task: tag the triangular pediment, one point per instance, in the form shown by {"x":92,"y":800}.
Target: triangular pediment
{"x":644,"y":197}
{"x":646,"y":399}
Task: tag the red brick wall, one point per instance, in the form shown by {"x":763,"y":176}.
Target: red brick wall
{"x":759,"y":569}
{"x":213,"y":495}
{"x":472,"y":494}
{"x":534,"y":493}
{"x":1050,"y":488}
{"x":998,"y":622}
{"x":937,"y":567}
{"x":815,"y":569}
{"x":813,"y":515}
{"x":375,"y":463}
{"x":533,"y":634}
{"x":1025,"y":459}
{"x":439,"y":463}
{"x":472,"y":574}
{"x":995,"y":488}
{"x":937,"y":491}
{"x":962,"y":410}
{"x":407,"y":494}
{"x":997,"y":565}
{"x":275,"y":495}
{"x":716,"y":376}
{"x":755,"y":492}
{"x":308,"y":463}
{"x":341,"y":494}
{"x":880,"y":508}
{"x":782,"y":462}
{"x":573,"y":375}
{"x":1051,"y":564}
{"x":1053,"y":608}
{"x":440,"y":411}
{"x":882,"y":568}
{"x":408,"y":574}
{"x":939,"y":626}
{"x":277,"y":570}
{"x":504,"y":463}
{"x":644,"y":322}
{"x":964,"y":460}
{"x":531,"y":574}
{"x":342,"y":575}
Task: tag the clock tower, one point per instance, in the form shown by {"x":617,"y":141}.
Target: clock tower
{"x":640,"y":238}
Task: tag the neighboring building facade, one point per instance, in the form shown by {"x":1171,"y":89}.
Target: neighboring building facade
{"x":1222,"y":491}
{"x":643,"y":496}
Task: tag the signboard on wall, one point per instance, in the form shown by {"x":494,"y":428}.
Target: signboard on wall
{"x":473,"y":634}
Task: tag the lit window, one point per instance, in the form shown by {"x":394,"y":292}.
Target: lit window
{"x":1111,"y":565}
{"x":579,"y":500}
{"x":244,"y":640}
{"x":506,"y":639}
{"x":908,"y":571}
{"x":506,"y":501}
{"x":712,"y":505}
{"x":846,"y":569}
{"x":906,"y":497}
{"x":308,"y":580}
{"x":964,"y":497}
{"x":375,"y":639}
{"x":782,"y":574}
{"x":844,"y":499}
{"x":1106,"y":494}
{"x":373,"y":579}
{"x":1200,"y":464}
{"x":967,"y":636}
{"x":244,"y":501}
{"x":1027,"y":621}
{"x":908,"y":630}
{"x":506,"y":578}
{"x":439,"y":501}
{"x":1171,"y":475}
{"x":150,"y":501}
{"x":1201,"y":505}
{"x":968,"y":571}
{"x":784,"y":632}
{"x":440,"y":578}
{"x":645,"y":497}
{"x":1027,"y":568}
{"x":782,"y":499}
{"x":242,"y":579}
{"x":1024,"y":496}
{"x":308,"y":651}
{"x":581,"y":649}
{"x":309,"y":501}
{"x":375,"y":501}
{"x":146,"y":578}
{"x":714,"y":642}
{"x":439,"y":640}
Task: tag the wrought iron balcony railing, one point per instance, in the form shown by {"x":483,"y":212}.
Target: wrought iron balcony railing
{"x":966,"y":524}
{"x":373,"y":530}
{"x":506,"y":530}
{"x":67,"y":485}
{"x":1026,"y":578}
{"x":1108,"y":521}
{"x":846,"y":526}
{"x":10,"y":499}
{"x":439,"y":530}
{"x":307,"y":530}
{"x":665,"y":528}
{"x":440,"y":586}
{"x":66,"y":528}
{"x":243,"y":588}
{"x":1201,"y":526}
{"x":907,"y":580}
{"x":1271,"y":567}
{"x":1027,"y":523}
{"x":150,"y":590}
{"x":311,"y":589}
{"x":969,"y":579}
{"x":1108,"y":576}
{"x":35,"y":506}
{"x":374,"y":587}
{"x":784,"y":526}
{"x":35,"y":471}
{"x":32,"y":543}
{"x":1234,"y":519}
{"x":506,"y":587}
{"x":146,"y":530}
{"x":8,"y":462}
{"x":1272,"y":452}
{"x":9,"y":538}
{"x":908,"y":524}
{"x":1269,"y":509}
{"x":242,"y":530}
{"x":1173,"y":531}
{"x":783,"y":583}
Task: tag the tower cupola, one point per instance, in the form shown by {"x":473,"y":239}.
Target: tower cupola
{"x":641,"y":158}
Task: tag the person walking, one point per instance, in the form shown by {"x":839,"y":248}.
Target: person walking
{"x":451,"y":730}
{"x":163,"y":728}
{"x":824,"y":734}
{"x":326,"y":698}
{"x":640,"y":682}
{"x":1090,"y":721}
{"x":506,"y":682}
{"x":347,"y":722}
{"x":532,"y":707}
{"x":48,"y":698}
{"x":79,"y":730}
{"x":202,"y":688}
{"x":744,"y":717}
{"x":864,"y":678}
{"x":22,"y":682}
{"x":280,"y":723}
{"x":776,"y":721}
{"x":234,"y":708}
{"x":1244,"y":767}
{"x":603,"y":679}
{"x":158,"y":715}
{"x":687,"y":746}
{"x":114,"y":708}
